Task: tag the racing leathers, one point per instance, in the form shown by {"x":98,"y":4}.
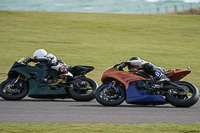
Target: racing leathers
{"x":156,"y":72}
{"x":54,"y":62}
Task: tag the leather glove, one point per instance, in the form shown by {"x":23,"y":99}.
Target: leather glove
{"x":28,"y":59}
{"x":123,"y":64}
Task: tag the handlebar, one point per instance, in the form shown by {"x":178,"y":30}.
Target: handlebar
{"x":21,"y":60}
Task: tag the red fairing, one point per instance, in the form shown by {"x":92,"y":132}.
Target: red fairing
{"x":178,"y":74}
{"x":122,"y":76}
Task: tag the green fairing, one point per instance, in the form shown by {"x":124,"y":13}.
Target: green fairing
{"x":36,"y":88}
{"x":42,"y":90}
{"x":27,"y":71}
{"x":80,"y":70}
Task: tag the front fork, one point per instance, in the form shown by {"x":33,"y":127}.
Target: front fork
{"x":112,"y":85}
{"x":15,"y":82}
{"x":19,"y":76}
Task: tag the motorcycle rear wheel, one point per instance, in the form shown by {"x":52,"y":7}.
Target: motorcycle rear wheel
{"x":186,"y":100}
{"x":10,"y":92}
{"x":84,"y":95}
{"x":106,"y":97}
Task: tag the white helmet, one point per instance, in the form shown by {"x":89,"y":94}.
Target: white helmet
{"x":40,"y":53}
{"x":135,"y":61}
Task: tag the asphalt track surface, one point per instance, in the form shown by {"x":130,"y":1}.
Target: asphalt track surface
{"x":69,"y":111}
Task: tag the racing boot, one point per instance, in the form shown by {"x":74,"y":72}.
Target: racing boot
{"x":67,"y":75}
{"x":160,"y":77}
{"x":63,"y":76}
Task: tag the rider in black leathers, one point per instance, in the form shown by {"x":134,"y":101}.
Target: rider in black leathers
{"x":41,"y":55}
{"x":136,"y":62}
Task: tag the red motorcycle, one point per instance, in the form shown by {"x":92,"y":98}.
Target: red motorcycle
{"x":138,"y":87}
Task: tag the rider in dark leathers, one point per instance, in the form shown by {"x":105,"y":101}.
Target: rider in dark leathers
{"x":41,"y":55}
{"x":136,"y":62}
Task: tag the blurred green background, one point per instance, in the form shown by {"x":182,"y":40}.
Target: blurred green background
{"x":102,"y":40}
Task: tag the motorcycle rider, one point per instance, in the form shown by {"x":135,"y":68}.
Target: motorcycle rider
{"x":41,"y":55}
{"x":136,"y":62}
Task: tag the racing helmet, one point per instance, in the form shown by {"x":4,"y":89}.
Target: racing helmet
{"x":39,"y":53}
{"x":135,"y":61}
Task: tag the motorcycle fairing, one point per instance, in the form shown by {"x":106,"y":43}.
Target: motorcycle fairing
{"x":36,"y":88}
{"x":80,"y":70}
{"x":122,"y":76}
{"x":135,"y":96}
{"x":27,"y":71}
{"x":44,"y":91}
{"x":177,"y":74}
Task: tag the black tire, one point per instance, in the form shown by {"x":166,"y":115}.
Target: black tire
{"x":104,"y":100}
{"x":20,"y":94}
{"x":186,"y":100}
{"x":84,"y":95}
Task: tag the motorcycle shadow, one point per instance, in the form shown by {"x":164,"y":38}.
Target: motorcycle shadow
{"x":39,"y":100}
{"x":125,"y":105}
{"x":147,"y":106}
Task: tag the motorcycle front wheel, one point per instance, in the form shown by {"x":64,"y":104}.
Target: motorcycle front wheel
{"x":184,"y":99}
{"x":86,"y":93}
{"x":108,"y":96}
{"x":9,"y":91}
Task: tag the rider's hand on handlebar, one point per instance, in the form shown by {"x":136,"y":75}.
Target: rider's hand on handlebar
{"x":123,"y":64}
{"x":28,"y":59}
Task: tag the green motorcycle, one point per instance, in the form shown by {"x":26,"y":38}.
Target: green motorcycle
{"x":40,"y":81}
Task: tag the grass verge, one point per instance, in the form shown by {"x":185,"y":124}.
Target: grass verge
{"x":98,"y":128}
